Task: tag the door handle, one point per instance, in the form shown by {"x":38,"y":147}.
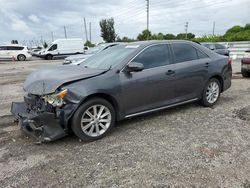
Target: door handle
{"x":170,"y":72}
{"x":207,"y":64}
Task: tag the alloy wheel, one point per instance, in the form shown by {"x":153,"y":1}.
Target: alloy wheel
{"x":96,"y":120}
{"x":212,"y":92}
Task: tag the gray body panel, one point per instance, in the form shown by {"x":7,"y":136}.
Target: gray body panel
{"x":133,"y":93}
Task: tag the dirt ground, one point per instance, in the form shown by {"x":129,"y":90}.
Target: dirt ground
{"x":187,"y":146}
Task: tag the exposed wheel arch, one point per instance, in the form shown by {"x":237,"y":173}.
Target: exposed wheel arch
{"x":220,"y":79}
{"x":107,"y":97}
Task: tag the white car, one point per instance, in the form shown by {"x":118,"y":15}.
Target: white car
{"x":17,"y":52}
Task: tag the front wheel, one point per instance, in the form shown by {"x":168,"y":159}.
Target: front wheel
{"x":93,"y":119}
{"x":245,"y":73}
{"x":211,"y":93}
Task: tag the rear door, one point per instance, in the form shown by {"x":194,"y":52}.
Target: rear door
{"x":152,"y":87}
{"x":191,"y":71}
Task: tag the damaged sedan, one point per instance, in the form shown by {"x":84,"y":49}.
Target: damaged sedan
{"x":119,"y":83}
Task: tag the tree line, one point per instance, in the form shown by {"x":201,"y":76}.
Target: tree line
{"x":235,"y":33}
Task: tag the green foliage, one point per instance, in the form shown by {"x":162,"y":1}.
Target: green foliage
{"x":107,"y":30}
{"x":183,"y":36}
{"x":145,"y":35}
{"x":169,"y":37}
{"x":124,"y":39}
{"x":45,"y":45}
{"x":89,"y":44}
{"x":14,"y":42}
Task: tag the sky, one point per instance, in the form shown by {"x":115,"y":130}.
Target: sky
{"x":36,"y":20}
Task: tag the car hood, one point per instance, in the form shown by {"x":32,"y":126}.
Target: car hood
{"x":47,"y":80}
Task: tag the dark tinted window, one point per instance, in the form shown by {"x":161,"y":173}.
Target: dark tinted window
{"x":201,"y":55}
{"x":15,"y":48}
{"x":154,"y":56}
{"x":210,"y":46}
{"x":53,"y":47}
{"x":3,"y":48}
{"x":219,"y":46}
{"x":184,"y":52}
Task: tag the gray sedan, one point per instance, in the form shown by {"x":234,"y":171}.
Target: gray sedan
{"x":118,"y":83}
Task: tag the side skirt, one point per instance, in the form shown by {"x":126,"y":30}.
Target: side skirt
{"x":161,"y":108}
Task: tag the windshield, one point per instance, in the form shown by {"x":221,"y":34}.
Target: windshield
{"x":110,"y":57}
{"x":96,"y":49}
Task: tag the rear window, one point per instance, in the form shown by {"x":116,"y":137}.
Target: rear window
{"x":15,"y":48}
{"x":184,"y":52}
{"x":219,"y":46}
{"x":3,"y":48}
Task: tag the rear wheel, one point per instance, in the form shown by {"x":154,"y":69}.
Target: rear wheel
{"x":93,"y":119}
{"x":245,"y":73}
{"x":211,"y":93}
{"x":21,"y":57}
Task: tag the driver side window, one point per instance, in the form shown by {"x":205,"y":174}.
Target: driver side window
{"x":154,"y":56}
{"x":53,"y":47}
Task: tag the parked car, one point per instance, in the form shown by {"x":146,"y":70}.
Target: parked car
{"x":77,"y":59}
{"x":218,"y":48}
{"x":245,"y":64}
{"x":118,"y":83}
{"x":18,"y":52}
{"x":62,"y":48}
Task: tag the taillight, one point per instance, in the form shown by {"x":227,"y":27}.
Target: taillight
{"x":230,"y":61}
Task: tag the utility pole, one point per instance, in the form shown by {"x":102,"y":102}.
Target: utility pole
{"x":147,"y":17}
{"x":90,"y":32}
{"x":86,"y":33}
{"x":213,"y":28}
{"x":65,"y":32}
{"x":52,"y":36}
{"x":186,"y":30}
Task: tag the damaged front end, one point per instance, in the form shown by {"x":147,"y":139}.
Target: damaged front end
{"x":43,"y":117}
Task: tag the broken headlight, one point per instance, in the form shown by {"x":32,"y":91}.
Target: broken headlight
{"x":56,"y":99}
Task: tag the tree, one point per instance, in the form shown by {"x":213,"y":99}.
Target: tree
{"x":89,"y":44}
{"x":14,"y":42}
{"x":107,"y":30}
{"x":169,"y":36}
{"x":183,"y":36}
{"x":145,"y":35}
{"x":45,"y":45}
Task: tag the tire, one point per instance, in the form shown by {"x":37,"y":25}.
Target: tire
{"x":212,"y":89}
{"x":48,"y":57}
{"x":21,"y":57}
{"x":245,"y":73}
{"x":86,"y":127}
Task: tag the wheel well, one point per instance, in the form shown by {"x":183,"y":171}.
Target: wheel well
{"x":107,"y":97}
{"x":220,"y":80}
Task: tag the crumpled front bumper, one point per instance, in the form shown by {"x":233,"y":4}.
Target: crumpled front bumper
{"x":45,"y":126}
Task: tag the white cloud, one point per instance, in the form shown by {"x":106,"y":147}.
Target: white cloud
{"x":34,"y":18}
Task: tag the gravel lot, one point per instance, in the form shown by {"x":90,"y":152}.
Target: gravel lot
{"x":187,"y":146}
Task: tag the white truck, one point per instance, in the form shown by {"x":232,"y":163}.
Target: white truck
{"x":62,"y":48}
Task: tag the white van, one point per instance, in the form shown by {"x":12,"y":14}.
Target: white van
{"x":62,"y":48}
{"x":17,"y":52}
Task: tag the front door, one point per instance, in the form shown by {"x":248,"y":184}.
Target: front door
{"x":152,"y":87}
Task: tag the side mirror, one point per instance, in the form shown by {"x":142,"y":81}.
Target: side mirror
{"x":135,"y":67}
